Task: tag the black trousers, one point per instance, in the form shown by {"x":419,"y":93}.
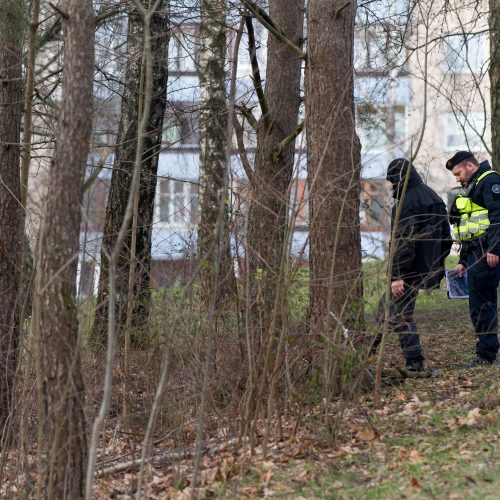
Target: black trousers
{"x":483,"y":282}
{"x":401,"y":322}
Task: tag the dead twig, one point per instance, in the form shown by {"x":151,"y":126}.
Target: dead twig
{"x":161,"y":458}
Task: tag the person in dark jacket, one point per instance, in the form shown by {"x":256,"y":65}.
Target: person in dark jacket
{"x":476,"y":219}
{"x":421,"y":243}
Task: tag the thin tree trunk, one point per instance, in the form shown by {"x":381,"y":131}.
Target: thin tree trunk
{"x":213,"y":147}
{"x":334,"y":169}
{"x":62,"y":444}
{"x":11,"y":246}
{"x":122,"y":175}
{"x":495,"y":81}
{"x":273,"y":169}
{"x":26,"y":272}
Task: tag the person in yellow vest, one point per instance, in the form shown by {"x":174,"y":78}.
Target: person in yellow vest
{"x":475,"y":216}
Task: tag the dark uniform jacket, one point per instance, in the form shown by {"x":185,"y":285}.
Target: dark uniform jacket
{"x":486,"y":194}
{"x":422,"y":238}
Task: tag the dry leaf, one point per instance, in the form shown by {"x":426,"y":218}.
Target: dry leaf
{"x":471,"y":418}
{"x":399,"y":395}
{"x":365,"y":433}
{"x":490,"y":418}
{"x":414,"y":483}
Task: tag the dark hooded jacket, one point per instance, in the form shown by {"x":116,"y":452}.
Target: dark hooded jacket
{"x":422,"y":237}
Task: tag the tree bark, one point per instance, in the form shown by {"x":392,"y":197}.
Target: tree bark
{"x":333,"y":169}
{"x":270,"y":201}
{"x":62,"y":444}
{"x":122,"y":176}
{"x":11,"y":241}
{"x":213,"y":148}
{"x":495,"y":81}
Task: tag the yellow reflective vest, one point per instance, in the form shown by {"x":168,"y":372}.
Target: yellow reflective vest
{"x":474,"y":219}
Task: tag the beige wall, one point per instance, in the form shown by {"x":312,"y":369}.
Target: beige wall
{"x":463,"y":93}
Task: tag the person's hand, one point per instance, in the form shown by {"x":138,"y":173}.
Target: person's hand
{"x":398,"y":288}
{"x":492,"y":259}
{"x":460,"y":269}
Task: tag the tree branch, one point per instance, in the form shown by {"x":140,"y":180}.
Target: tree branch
{"x":60,"y":11}
{"x":238,"y":129}
{"x":93,"y":176}
{"x":163,"y":457}
{"x":257,"y":80}
{"x":55,"y":27}
{"x":341,"y":8}
{"x":262,"y":16}
{"x":286,"y":141}
{"x":103,"y":16}
{"x":248,"y":115}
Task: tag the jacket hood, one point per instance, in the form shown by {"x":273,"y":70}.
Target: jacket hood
{"x":396,"y":174}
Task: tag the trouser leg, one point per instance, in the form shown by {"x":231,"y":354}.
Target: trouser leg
{"x":401,"y":321}
{"x":483,"y":282}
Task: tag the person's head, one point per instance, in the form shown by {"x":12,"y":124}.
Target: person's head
{"x":396,"y":171}
{"x":463,"y":165}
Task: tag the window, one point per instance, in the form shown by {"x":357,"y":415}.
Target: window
{"x":182,"y":49}
{"x":177,"y":202}
{"x":465,"y":132}
{"x":299,"y":202}
{"x":172,"y":130}
{"x":380,"y":129}
{"x":375,"y":206}
{"x":377,"y":50}
{"x":463,"y":53}
{"x":181,"y":128}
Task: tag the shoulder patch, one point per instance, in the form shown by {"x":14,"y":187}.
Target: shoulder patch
{"x":495,"y":188}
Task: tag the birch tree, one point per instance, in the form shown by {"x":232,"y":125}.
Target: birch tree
{"x":62,"y":444}
{"x":11,"y":35}
{"x":213,"y":143}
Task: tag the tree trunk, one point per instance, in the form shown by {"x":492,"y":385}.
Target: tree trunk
{"x":62,"y":444}
{"x":495,"y":82}
{"x":11,"y":241}
{"x":213,"y":147}
{"x":333,"y":169}
{"x":268,"y":214}
{"x":122,"y":176}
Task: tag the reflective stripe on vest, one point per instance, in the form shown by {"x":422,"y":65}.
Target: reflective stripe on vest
{"x":474,"y":219}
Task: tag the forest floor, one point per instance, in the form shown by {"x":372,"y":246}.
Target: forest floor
{"x":435,"y":437}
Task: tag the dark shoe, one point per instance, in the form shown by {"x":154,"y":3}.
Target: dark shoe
{"x":415,"y":366}
{"x":479,"y":361}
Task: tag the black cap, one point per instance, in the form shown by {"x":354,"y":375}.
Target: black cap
{"x":458,"y":157}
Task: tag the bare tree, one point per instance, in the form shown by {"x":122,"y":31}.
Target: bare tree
{"x":213,"y":143}
{"x":494,"y":19}
{"x":135,"y":259}
{"x":334,"y":169}
{"x":62,"y":446}
{"x":274,"y":159}
{"x":11,"y":35}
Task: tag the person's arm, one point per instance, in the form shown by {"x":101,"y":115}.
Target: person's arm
{"x":491,"y":196}
{"x":405,"y":248}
